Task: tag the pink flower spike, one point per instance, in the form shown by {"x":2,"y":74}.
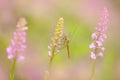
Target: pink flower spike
{"x":97,"y":44}
{"x":17,"y":45}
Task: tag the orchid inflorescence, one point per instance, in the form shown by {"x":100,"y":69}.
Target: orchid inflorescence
{"x":17,"y":45}
{"x":56,"y":39}
{"x":99,"y":35}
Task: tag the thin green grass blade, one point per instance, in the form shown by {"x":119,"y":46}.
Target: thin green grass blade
{"x":13,"y":69}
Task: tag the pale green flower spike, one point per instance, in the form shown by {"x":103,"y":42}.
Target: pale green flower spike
{"x":55,"y":46}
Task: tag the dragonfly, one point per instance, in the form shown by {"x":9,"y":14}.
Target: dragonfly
{"x":66,"y":42}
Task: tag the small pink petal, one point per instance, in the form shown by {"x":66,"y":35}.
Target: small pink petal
{"x":23,"y":39}
{"x":94,"y":36}
{"x":13,"y":42}
{"x":24,"y":33}
{"x":101,"y":39}
{"x":102,"y":48}
{"x":59,"y":42}
{"x":92,"y":55}
{"x":49,"y":53}
{"x":104,"y":36}
{"x":9,"y":50}
{"x":99,"y":43}
{"x":25,"y":28}
{"x":24,"y":46}
{"x":105,"y":28}
{"x":52,"y":38}
{"x":100,"y":24}
{"x":100,"y":54}
{"x":21,"y":58}
{"x":10,"y":56}
{"x":49,"y":47}
{"x":92,"y":46}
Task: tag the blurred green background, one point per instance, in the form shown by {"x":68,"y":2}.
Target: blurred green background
{"x":80,"y":20}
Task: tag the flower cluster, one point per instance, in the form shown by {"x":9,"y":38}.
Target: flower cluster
{"x":56,"y":39}
{"x":98,"y":37}
{"x":17,"y":45}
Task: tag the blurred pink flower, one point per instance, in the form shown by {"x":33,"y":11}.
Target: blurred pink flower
{"x":17,"y":45}
{"x":98,"y":37}
{"x":92,"y":55}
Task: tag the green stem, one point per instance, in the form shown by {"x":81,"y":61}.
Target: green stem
{"x":49,"y":65}
{"x":93,"y":70}
{"x":13,"y":69}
